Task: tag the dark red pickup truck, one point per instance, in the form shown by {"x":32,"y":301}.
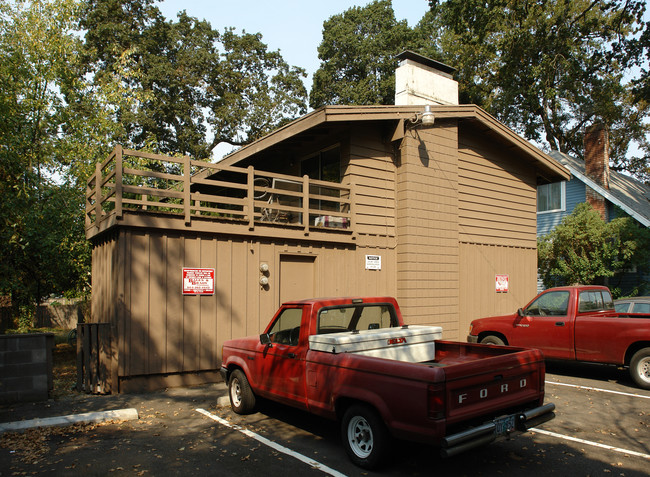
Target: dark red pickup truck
{"x":574,"y":323}
{"x":354,"y":360}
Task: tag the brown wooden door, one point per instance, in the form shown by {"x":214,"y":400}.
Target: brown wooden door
{"x":297,"y":277}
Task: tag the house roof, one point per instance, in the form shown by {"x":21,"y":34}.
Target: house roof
{"x":631,"y":195}
{"x":317,"y":122}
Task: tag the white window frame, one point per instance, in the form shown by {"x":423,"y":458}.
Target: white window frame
{"x":562,"y":199}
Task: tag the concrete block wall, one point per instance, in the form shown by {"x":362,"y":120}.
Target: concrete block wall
{"x":26,"y":367}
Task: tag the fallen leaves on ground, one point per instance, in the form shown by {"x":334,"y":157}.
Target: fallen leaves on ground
{"x":31,"y":445}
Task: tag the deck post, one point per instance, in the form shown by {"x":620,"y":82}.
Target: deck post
{"x":250,"y":198}
{"x":119,"y":166}
{"x":305,"y":203}
{"x":187,"y":189}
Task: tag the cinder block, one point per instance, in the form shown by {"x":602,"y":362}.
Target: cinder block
{"x":18,"y":357}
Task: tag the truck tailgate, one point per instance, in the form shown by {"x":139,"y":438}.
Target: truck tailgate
{"x":502,"y":378}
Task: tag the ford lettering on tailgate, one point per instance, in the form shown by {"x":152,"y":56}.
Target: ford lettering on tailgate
{"x":488,"y":391}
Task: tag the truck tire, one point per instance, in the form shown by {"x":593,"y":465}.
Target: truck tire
{"x":640,"y":368}
{"x":493,"y":340}
{"x":364,"y":436}
{"x":242,"y":399}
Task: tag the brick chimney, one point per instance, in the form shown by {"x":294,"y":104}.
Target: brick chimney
{"x":596,"y":144}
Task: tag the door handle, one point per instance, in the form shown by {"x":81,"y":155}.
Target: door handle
{"x":559,"y":323}
{"x":291,"y":355}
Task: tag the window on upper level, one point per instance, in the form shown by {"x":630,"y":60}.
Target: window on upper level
{"x":324,"y":165}
{"x":551,"y":197}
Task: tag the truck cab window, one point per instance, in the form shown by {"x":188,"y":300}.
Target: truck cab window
{"x":550,"y":304}
{"x":359,"y":317}
{"x":595,"y":300}
{"x":286,"y":327}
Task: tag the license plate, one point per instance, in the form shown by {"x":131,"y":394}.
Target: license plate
{"x":504,"y":425}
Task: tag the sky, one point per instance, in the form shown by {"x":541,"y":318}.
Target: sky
{"x":295,"y":27}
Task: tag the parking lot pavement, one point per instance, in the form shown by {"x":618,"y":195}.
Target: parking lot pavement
{"x":161,"y":429}
{"x":602,"y":428}
{"x":165,"y":401}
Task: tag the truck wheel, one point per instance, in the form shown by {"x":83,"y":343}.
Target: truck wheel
{"x":493,"y":340}
{"x":640,"y":368}
{"x":364,"y":436}
{"x":242,"y":399}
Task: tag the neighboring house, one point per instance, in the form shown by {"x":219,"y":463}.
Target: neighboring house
{"x":435,"y":206}
{"x":611,"y":193}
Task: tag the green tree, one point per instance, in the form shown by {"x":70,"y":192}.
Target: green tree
{"x":199,"y":87}
{"x":548,"y":68}
{"x":584,"y":249}
{"x":358,"y":56}
{"x":41,"y":222}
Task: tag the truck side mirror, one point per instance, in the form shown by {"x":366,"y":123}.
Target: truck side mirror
{"x":520,"y":312}
{"x":265,"y":339}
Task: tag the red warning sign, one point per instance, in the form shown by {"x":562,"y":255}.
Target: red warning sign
{"x":198,"y":281}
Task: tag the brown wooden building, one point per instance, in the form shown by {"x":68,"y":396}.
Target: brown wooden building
{"x":343,"y":201}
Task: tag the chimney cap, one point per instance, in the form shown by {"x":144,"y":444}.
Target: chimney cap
{"x":411,"y":55}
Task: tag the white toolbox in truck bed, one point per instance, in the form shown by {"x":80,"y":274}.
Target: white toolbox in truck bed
{"x":411,"y":343}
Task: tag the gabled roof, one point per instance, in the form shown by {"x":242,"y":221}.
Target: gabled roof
{"x":631,"y":195}
{"x":328,"y":116}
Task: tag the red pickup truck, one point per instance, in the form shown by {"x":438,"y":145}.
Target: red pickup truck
{"x":354,"y":360}
{"x":574,"y":323}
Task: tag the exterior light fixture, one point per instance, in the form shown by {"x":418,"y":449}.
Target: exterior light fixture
{"x":424,"y":119}
{"x":264,"y":281}
{"x":264,"y":267}
{"x":427,"y":117}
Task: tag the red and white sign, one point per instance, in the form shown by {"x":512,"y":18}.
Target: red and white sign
{"x":502,"y":283}
{"x":198,"y":281}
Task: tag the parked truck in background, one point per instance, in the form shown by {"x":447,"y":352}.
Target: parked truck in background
{"x":574,"y":323}
{"x":354,"y":360}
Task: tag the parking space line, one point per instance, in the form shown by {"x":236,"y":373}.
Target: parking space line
{"x":598,"y":389}
{"x":590,"y":443}
{"x":273,"y":445}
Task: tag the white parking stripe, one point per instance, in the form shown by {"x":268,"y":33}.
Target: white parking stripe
{"x":598,"y":389}
{"x":590,"y":443}
{"x":273,"y":445}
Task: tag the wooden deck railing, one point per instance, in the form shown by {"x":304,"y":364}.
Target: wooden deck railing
{"x":137,"y":181}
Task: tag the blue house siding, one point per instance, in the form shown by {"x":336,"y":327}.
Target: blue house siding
{"x":575,"y":193}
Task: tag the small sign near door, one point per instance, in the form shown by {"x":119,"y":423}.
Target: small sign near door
{"x":198,"y":281}
{"x":373,"y":262}
{"x":502,"y":283}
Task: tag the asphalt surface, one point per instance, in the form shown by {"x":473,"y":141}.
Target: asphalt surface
{"x":602,"y":428}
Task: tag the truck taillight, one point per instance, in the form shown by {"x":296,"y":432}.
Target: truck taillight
{"x":435,"y":401}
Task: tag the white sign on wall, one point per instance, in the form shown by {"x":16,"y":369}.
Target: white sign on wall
{"x":373,"y":262}
{"x":502,"y":283}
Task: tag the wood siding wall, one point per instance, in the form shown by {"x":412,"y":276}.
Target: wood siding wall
{"x":137,"y":285}
{"x":371,"y":168}
{"x":497,"y":229}
{"x":427,"y":224}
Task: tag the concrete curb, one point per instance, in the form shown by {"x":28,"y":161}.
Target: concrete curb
{"x":85,"y":418}
{"x":223,"y":401}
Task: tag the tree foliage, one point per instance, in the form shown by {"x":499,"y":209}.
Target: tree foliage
{"x":199,"y":87}
{"x":550,"y":68}
{"x":358,"y":56}
{"x":584,"y":249}
{"x":546,"y":68}
{"x":41,"y":222}
{"x":79,"y":76}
